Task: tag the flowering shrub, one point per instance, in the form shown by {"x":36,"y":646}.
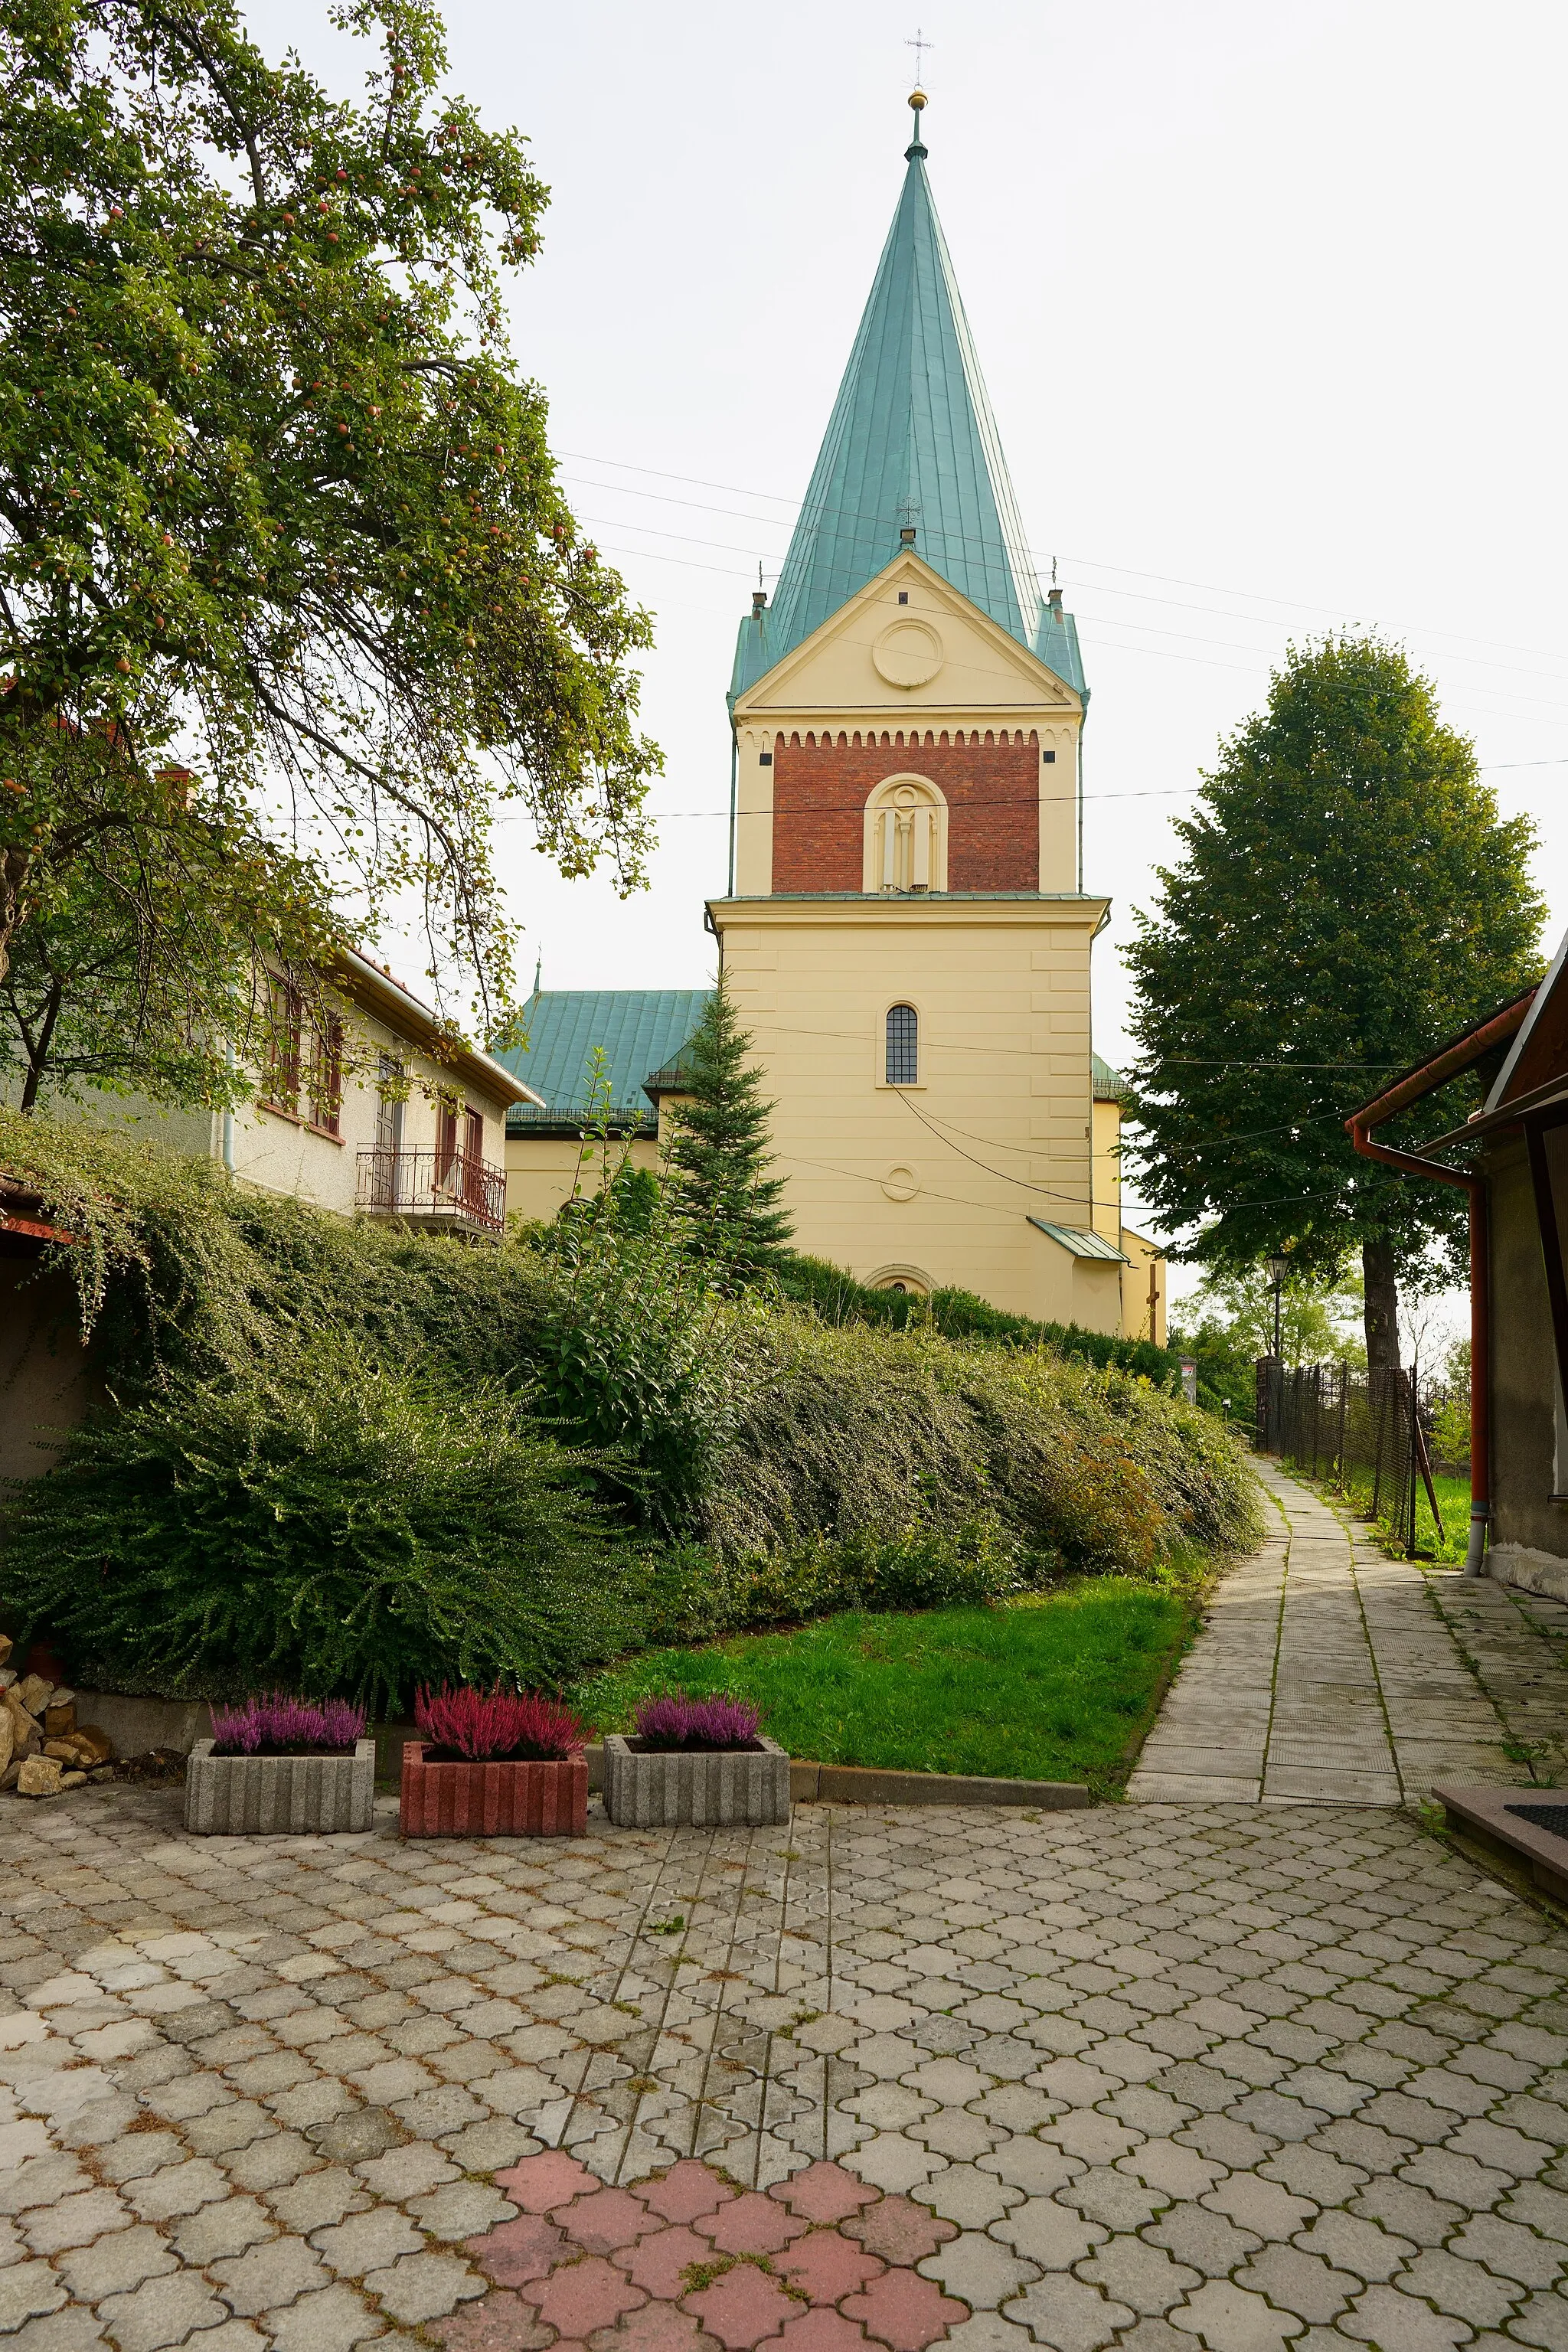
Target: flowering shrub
{"x":276,"y":1725}
{"x":490,"y":1726}
{"x":676,"y":1721}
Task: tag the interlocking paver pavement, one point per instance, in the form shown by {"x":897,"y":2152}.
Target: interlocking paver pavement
{"x":1327,"y":1673}
{"x":1154,"y":2075}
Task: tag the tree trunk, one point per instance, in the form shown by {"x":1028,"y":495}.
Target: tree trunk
{"x":38,"y":1052}
{"x":1380,"y":1306}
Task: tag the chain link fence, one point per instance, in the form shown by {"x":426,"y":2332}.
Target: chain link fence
{"x":1362,"y":1431}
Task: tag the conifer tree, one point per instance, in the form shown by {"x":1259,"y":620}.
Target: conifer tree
{"x":720,"y":1155}
{"x":1348,"y":898}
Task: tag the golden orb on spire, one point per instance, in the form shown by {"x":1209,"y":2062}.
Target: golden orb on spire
{"x":916,"y":100}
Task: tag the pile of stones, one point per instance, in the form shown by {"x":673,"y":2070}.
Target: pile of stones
{"x":43,"y":1748}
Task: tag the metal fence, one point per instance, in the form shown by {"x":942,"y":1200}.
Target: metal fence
{"x":1364,"y":1431}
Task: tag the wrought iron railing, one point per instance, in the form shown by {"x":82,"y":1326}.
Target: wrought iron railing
{"x":1362,"y":1431}
{"x":436,"y":1185}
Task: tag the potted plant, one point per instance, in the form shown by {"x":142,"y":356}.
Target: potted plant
{"x":282,"y":1764}
{"x":494,"y":1764}
{"x":699,"y":1760}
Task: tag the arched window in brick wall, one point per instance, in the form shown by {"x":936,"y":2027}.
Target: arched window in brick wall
{"x":903,"y":1063}
{"x":906,"y":837}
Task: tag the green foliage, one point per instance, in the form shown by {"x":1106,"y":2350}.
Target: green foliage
{"x":275,"y":500}
{"x":694,"y":1594}
{"x":801,"y":1466}
{"x":1348,"y":898}
{"x":1450,"y":1437}
{"x":333,"y":1528}
{"x":1317,"y":1319}
{"x":838,"y":1297}
{"x":1059,"y":1687}
{"x":719,"y":1157}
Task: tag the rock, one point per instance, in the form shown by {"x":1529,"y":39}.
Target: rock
{"x":40,"y":1776}
{"x":73,"y":1780}
{"x":8,"y":1777}
{"x":35,"y":1693}
{"x":25,"y":1736}
{"x":7,"y":1738}
{"x":5,"y":1647}
{"x":59,"y":1716}
{"x":101,"y":1772}
{"x":94,"y":1747}
{"x":64,"y":1749}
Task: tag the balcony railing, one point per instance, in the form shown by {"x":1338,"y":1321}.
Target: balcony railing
{"x":433,"y":1186}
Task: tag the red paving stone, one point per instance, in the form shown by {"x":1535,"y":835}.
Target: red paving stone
{"x":823,"y":2192}
{"x":742,"y":2308}
{"x":540,"y":2182}
{"x":656,"y":2328}
{"x":826,"y":2266}
{"x":607,"y":2222}
{"x":779,"y":2295}
{"x":585,"y":2296}
{"x":818,"y":2331}
{"x":904,"y":2311}
{"x":657,"y":2263}
{"x":500,"y":2323}
{"x":515,"y":2251}
{"x":687,"y":2190}
{"x":899,"y":2231}
{"x":752,"y":2225}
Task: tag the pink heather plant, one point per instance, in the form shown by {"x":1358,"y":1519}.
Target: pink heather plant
{"x":673,"y":1720}
{"x":487,"y":1725}
{"x":278,"y":1726}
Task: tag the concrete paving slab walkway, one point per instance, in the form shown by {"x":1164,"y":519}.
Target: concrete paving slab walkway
{"x":1327,"y":1673}
{"x":1153,"y":2077}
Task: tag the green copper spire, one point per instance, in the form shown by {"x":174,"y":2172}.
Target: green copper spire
{"x":911,"y":444}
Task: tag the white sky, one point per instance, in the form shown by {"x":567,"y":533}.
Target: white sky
{"x":1269,"y":305}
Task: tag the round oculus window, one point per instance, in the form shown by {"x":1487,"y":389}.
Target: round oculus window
{"x":908,"y":654}
{"x":900,"y":1183}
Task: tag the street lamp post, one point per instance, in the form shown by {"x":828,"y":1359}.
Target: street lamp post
{"x":1276,"y":1268}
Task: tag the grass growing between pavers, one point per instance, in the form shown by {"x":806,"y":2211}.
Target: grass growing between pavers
{"x":1057,"y":1686}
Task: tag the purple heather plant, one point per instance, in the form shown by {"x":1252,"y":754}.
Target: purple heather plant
{"x":280,"y":1725}
{"x":673,"y":1720}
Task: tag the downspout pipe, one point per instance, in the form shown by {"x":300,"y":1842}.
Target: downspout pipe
{"x":1410,"y":1163}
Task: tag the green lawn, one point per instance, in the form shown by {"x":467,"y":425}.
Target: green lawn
{"x":1453,"y":1501}
{"x":1058,"y":1686}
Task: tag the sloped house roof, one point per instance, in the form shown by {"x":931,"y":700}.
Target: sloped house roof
{"x":911,"y":444}
{"x":640,"y":1031}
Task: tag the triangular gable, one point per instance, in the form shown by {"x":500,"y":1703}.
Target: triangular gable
{"x":833,"y":667}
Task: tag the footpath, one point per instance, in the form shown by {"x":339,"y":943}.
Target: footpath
{"x":1329,"y":1674}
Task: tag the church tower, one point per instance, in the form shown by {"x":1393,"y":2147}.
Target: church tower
{"x":906,"y":930}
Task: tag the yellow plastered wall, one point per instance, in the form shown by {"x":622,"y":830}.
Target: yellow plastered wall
{"x":935,"y":1182}
{"x":542,"y":1170}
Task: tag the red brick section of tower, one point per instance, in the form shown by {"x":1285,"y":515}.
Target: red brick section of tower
{"x":990,"y":782}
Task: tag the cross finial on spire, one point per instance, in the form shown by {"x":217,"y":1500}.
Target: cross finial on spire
{"x":919,"y":44}
{"x":917,"y":97}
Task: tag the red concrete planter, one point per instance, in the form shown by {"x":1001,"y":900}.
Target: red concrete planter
{"x":492,"y":1799}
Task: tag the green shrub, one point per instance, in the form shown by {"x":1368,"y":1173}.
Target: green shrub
{"x":334,"y":1527}
{"x":838,"y":1299}
{"x":692,"y":1593}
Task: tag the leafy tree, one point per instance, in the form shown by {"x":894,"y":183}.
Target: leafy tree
{"x":274,"y":502}
{"x":136,"y":969}
{"x":1348,"y":898}
{"x":721,"y":1154}
{"x":1313,"y":1319}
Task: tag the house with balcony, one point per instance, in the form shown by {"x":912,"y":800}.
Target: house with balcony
{"x":363,"y":1105}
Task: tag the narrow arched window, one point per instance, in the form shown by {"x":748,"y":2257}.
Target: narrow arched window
{"x":903,"y":1046}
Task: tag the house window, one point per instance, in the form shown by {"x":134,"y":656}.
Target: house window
{"x":446,"y":1144}
{"x":283,"y":1024}
{"x":326,"y":1074}
{"x":389,"y":1107}
{"x":765,"y":759}
{"x":903,"y":599}
{"x":1048,"y":758}
{"x":903,"y":1046}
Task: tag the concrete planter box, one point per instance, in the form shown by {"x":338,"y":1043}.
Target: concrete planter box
{"x":538,"y":1800}
{"x":686,"y":1786}
{"x":245,"y":1796}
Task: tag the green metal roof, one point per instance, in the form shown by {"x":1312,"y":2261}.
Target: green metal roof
{"x":1081,"y":1244}
{"x":1110,"y":1086}
{"x":640,"y":1031}
{"x":911,"y":441}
